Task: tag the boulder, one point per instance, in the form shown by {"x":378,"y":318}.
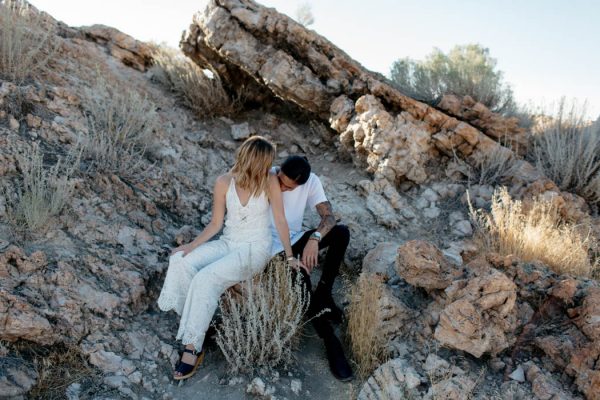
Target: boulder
{"x":480,"y":316}
{"x":423,"y":265}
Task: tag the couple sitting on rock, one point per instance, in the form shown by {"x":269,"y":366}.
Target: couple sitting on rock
{"x":261,"y":201}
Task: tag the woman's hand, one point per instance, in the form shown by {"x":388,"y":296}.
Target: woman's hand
{"x":186,"y":248}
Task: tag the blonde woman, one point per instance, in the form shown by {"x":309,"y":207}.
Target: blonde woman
{"x":200,"y":271}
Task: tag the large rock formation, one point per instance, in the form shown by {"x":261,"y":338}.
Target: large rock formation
{"x":394,"y":137}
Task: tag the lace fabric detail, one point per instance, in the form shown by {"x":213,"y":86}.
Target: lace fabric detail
{"x":195,"y":282}
{"x":170,"y":301}
{"x":197,"y":340}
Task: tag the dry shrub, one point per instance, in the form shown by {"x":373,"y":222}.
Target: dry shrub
{"x":202,"y":93}
{"x":56,"y":368}
{"x":26,"y":40}
{"x":42,"y":191}
{"x":364,"y":318}
{"x":492,"y":168}
{"x":535,"y":233}
{"x":567,"y":150}
{"x":260,"y":327}
{"x":122,"y":124}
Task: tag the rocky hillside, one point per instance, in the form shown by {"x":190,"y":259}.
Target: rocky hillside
{"x":460,"y":322}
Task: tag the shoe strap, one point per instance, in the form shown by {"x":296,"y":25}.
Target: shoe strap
{"x":192,"y":352}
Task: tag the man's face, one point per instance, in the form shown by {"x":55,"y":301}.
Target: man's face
{"x":286,"y":183}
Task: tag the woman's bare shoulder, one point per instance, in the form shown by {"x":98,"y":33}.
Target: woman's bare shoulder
{"x":223,"y":181}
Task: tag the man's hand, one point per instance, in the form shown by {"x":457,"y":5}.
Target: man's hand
{"x":310,"y":255}
{"x":297,"y":264}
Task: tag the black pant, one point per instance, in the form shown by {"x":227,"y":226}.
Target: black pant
{"x":336,"y":241}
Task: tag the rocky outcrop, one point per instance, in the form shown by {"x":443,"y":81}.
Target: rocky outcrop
{"x":480,"y":315}
{"x":121,"y":46}
{"x":505,"y":130}
{"x":240,"y":37}
{"x":393,"y":380}
{"x":394,"y":137}
{"x":423,"y":265}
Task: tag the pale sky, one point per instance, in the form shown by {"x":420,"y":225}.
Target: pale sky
{"x":546,"y":48}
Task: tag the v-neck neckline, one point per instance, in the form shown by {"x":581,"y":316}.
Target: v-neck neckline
{"x":238,"y":196}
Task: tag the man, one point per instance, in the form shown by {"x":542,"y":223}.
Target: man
{"x":300,"y":188}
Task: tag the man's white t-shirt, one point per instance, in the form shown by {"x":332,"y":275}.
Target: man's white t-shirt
{"x":294,"y":203}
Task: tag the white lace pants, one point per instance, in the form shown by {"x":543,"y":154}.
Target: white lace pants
{"x":195,"y":283}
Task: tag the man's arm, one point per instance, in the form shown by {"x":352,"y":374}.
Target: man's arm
{"x":327,"y":218}
{"x":311,"y":250}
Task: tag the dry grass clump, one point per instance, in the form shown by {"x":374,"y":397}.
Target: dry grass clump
{"x":122,"y":124}
{"x":202,"y":93}
{"x":57,"y":368}
{"x":533,"y":234}
{"x":567,"y":150}
{"x":42,"y":191}
{"x":26,"y":40}
{"x":491,"y":168}
{"x":259,"y":327}
{"x":364,"y":318}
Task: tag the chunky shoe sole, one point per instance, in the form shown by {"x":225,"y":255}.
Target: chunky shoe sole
{"x":193,"y":371}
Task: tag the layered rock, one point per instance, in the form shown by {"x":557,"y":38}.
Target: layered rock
{"x":237,"y":37}
{"x":480,"y":317}
{"x":393,"y":380}
{"x":505,"y":130}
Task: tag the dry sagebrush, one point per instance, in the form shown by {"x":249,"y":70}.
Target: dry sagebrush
{"x":200,"y":92}
{"x":364,"y":318}
{"x":533,"y":233}
{"x":260,"y":326}
{"x":492,"y":168}
{"x":42,"y":191}
{"x":122,"y":124}
{"x":26,"y":40}
{"x":567,"y":150}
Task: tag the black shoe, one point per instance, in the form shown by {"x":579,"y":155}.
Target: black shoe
{"x":322,"y":300}
{"x":337,"y":360}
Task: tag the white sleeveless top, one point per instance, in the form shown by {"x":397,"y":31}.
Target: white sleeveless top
{"x":246,"y":224}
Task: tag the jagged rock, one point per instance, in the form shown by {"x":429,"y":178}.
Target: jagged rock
{"x":129,"y":51}
{"x":17,"y":377}
{"x":454,"y":388}
{"x":496,"y":126}
{"x":423,"y":265}
{"x":381,"y":260}
{"x":393,"y":380}
{"x":110,"y":362}
{"x":480,"y":316}
{"x":543,"y":386}
{"x":588,"y":313}
{"x":240,"y":131}
{"x":247,"y":43}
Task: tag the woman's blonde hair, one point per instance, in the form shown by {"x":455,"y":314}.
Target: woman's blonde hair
{"x":253,"y":160}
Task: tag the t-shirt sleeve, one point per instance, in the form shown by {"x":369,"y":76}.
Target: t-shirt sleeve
{"x":316,"y":193}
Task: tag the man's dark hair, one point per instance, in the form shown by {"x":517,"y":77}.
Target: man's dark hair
{"x":296,"y":168}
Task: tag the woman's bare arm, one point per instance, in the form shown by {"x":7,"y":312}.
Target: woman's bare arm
{"x":279,"y":215}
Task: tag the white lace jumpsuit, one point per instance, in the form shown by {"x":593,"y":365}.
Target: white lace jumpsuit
{"x":195,"y":283}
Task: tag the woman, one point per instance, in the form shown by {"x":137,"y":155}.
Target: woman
{"x":200,"y":271}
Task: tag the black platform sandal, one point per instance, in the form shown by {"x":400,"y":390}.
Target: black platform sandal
{"x":188,"y":370}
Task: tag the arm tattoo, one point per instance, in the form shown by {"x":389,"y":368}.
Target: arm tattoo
{"x":327,"y":217}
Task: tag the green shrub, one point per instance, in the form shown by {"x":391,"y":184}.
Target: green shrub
{"x":465,"y":70}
